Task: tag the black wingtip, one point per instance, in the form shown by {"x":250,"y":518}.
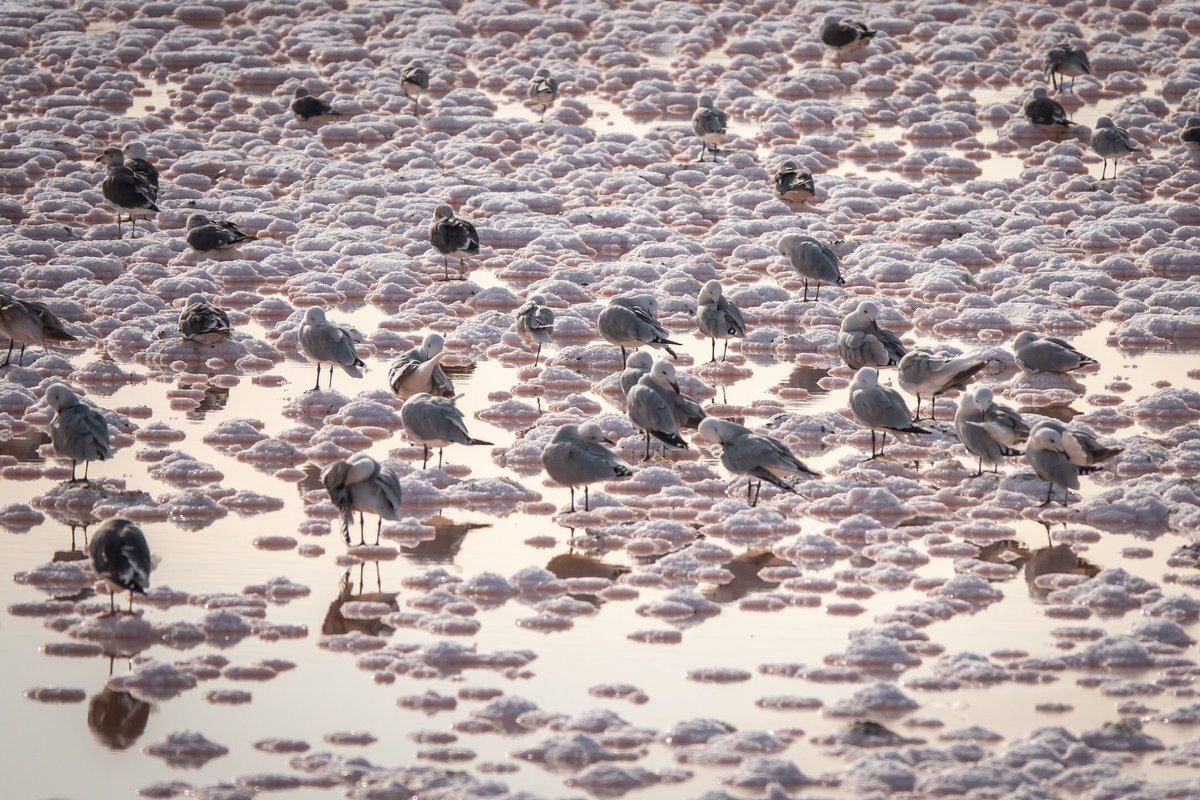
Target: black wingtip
{"x":478,"y":441}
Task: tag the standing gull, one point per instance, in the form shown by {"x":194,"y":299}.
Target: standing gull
{"x":922,"y":373}
{"x":754,"y":455}
{"x":576,"y":456}
{"x":136,"y":158}
{"x":718,"y":317}
{"x":636,"y":366}
{"x":128,"y":192}
{"x":202,"y":322}
{"x":535,"y":323}
{"x":420,"y":370}
{"x":1190,"y":135}
{"x":844,"y":35}
{"x":1109,"y":141}
{"x":986,"y":429}
{"x":326,"y":343}
{"x":452,"y":236}
{"x":360,"y":484}
{"x":793,"y":184}
{"x":879,"y":408}
{"x":862,"y":343}
{"x":687,"y":410}
{"x":1065,"y":60}
{"x":651,"y":409}
{"x":1082,"y":448}
{"x":710,"y":124}
{"x":628,"y":322}
{"x":812,"y":260}
{"x":414,"y":82}
{"x":204,"y":234}
{"x":28,"y":322}
{"x":435,"y":422}
{"x":1046,"y":113}
{"x":1047,"y":354}
{"x":78,"y":431}
{"x":542,"y":90}
{"x":1048,"y":457}
{"x":121,"y":557}
{"x":307,"y":107}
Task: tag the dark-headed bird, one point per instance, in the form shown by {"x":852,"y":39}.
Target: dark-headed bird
{"x":542,"y":90}
{"x":1046,"y":113}
{"x":28,"y":322}
{"x":204,"y":234}
{"x":309,"y":108}
{"x":202,"y":322}
{"x":128,"y":192}
{"x":452,"y":236}
{"x":793,"y":184}
{"x":360,"y":484}
{"x":845,"y":35}
{"x":78,"y":431}
{"x":1064,"y":60}
{"x":710,"y":124}
{"x":121,"y":557}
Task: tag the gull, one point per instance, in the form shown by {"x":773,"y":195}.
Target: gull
{"x":326,"y":343}
{"x":651,"y":409}
{"x":710,"y":124}
{"x":543,"y":89}
{"x":1044,"y":112}
{"x":1082,"y":448}
{"x":1065,"y":60}
{"x":1190,"y":135}
{"x":360,"y":484}
{"x":754,"y":455}
{"x":78,"y":431}
{"x":535,"y":323}
{"x":1109,"y":141}
{"x":121,"y":557}
{"x":126,"y":190}
{"x":28,"y":322}
{"x":637,"y":365}
{"x":136,"y":159}
{"x":862,"y":343}
{"x":1047,"y":455}
{"x":687,"y":410}
{"x":793,"y":184}
{"x":812,"y":260}
{"x":452,"y":236}
{"x":307,"y":107}
{"x":414,"y":82}
{"x":718,"y":317}
{"x":204,"y":234}
{"x":435,"y":422}
{"x":420,"y":370}
{"x":1047,"y":354}
{"x":202,"y":322}
{"x":923,"y":373}
{"x":879,"y":408}
{"x":986,"y":429}
{"x":844,"y":35}
{"x":576,"y":456}
{"x":628,"y":322}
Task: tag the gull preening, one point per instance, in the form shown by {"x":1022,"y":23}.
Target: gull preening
{"x":1083,"y":449}
{"x":137,"y":159}
{"x":1064,"y":60}
{"x":326,"y":343}
{"x":535,"y":323}
{"x":128,"y":192}
{"x":435,"y":422}
{"x":576,"y":456}
{"x":1046,"y":113}
{"x":925,"y":374}
{"x":309,"y":108}
{"x":121,"y":557}
{"x":792,"y":183}
{"x":1048,"y":456}
{"x":988,"y":430}
{"x":879,"y":408}
{"x":1047,"y":354}
{"x":812,"y":260}
{"x":862,"y":343}
{"x":202,"y":322}
{"x":205,"y":234}
{"x":414,"y":82}
{"x":78,"y":431}
{"x":361,"y":484}
{"x":420,"y":370}
{"x":629,"y":323}
{"x":452,"y":236}
{"x":27,"y":322}
{"x":718,"y":318}
{"x":710,"y":124}
{"x":542,"y":90}
{"x":1109,"y":141}
{"x":845,"y":35}
{"x":657,"y":408}
{"x":755,"y":455}
{"x":637,"y":365}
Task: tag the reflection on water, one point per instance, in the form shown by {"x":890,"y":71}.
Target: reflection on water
{"x":215,"y":399}
{"x":807,"y":378}
{"x":1060,"y":413}
{"x":745,"y":569}
{"x":117,"y":719}
{"x":24,"y":447}
{"x":336,"y":623}
{"x":445,"y":544}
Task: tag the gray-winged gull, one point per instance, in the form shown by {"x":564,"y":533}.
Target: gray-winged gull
{"x":326,"y":343}
{"x":879,"y":408}
{"x":420,"y":370}
{"x":792,"y":183}
{"x":414,"y":82}
{"x":637,"y":365}
{"x":925,"y":374}
{"x":755,"y":455}
{"x":1047,"y":354}
{"x":576,"y":456}
{"x":542,"y":90}
{"x":361,"y":484}
{"x":862,"y":343}
{"x":78,"y":431}
{"x":28,"y":322}
{"x":452,"y":236}
{"x":127,"y":191}
{"x":435,"y":422}
{"x":628,"y":322}
{"x":200,"y":321}
{"x":535,"y":323}
{"x":204,"y":234}
{"x":845,"y":35}
{"x":987,"y":436}
{"x":1046,"y":113}
{"x":1109,"y":141}
{"x":1065,"y":60}
{"x":718,"y":318}
{"x":710,"y":124}
{"x":1083,"y":449}
{"x":1048,"y":457}
{"x":812,"y":260}
{"x":651,"y":409}
{"x":309,"y":108}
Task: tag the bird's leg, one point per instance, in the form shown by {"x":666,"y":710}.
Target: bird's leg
{"x":86,"y":465}
{"x":980,"y":472}
{"x":1049,"y":492}
{"x":725,"y":353}
{"x":805,"y":300}
{"x":425,"y":460}
{"x":703,"y":150}
{"x":1104,"y":169}
{"x":462,"y":269}
{"x":933,"y":408}
{"x":330,"y":377}
{"x":714,"y":351}
{"x":538,"y":355}
{"x":872,"y":445}
{"x":21,"y":358}
{"x":882,"y":442}
{"x":1116,"y":161}
{"x":748,"y":485}
{"x":572,"y":488}
{"x":817,"y":296}
{"x":73,"y":478}
{"x":131,"y":601}
{"x":440,"y":451}
{"x":119,"y":225}
{"x":8,"y":358}
{"x":586,"y":499}
{"x":112,"y":603}
{"x":318,"y":385}
{"x":647,"y":458}
{"x":361,"y":524}
{"x":757,"y":492}
{"x":624,"y":357}
{"x":378,"y":534}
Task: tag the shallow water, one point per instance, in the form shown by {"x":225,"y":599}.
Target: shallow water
{"x":326,"y":692}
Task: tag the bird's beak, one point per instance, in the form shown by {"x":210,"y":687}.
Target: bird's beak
{"x":607,"y":440}
{"x":675,"y":386}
